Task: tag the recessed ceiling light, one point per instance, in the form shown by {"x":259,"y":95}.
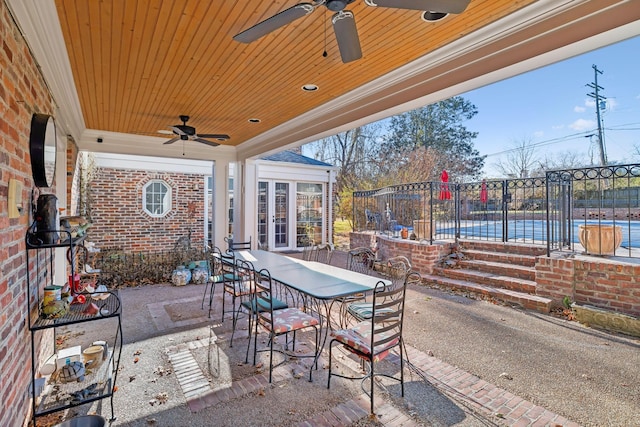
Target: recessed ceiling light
{"x":310,"y":87}
{"x":433,"y":16}
{"x":254,"y":120}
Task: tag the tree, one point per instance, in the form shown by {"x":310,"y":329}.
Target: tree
{"x":352,"y":152}
{"x":438,"y":127}
{"x":563,"y":160}
{"x":520,"y":161}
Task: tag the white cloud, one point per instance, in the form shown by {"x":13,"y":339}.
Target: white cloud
{"x":538,"y":134}
{"x":590,"y":103}
{"x":557,"y":127}
{"x":611,"y":104}
{"x":582,"y":124}
{"x":579,"y":109}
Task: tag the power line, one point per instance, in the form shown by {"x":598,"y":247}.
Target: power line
{"x":544,"y":143}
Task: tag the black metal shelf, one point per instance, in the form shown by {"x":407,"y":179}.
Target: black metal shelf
{"x":109,"y":307}
{"x":35,"y":239}
{"x":57,"y":396}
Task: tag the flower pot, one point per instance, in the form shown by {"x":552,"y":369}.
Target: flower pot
{"x":598,"y":239}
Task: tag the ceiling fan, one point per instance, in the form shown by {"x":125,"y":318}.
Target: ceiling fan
{"x":186,"y":133}
{"x":344,"y":24}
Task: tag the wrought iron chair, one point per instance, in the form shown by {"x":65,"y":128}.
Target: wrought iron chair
{"x":218,"y":273}
{"x":308,"y":250}
{"x":372,"y":219}
{"x":397,"y":270}
{"x":238,"y":246}
{"x":372,"y":340}
{"x":279,"y":321}
{"x":241,"y":289}
{"x":361,"y":260}
{"x":323,"y":253}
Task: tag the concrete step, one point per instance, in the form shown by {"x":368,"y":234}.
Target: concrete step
{"x":500,"y":268}
{"x":503,"y":257}
{"x":496,"y":280}
{"x":528,"y":301}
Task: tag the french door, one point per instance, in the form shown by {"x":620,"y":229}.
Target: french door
{"x":274,"y":219}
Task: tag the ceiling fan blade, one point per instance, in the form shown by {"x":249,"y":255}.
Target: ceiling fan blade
{"x":276,"y":21}
{"x":219,"y":136}
{"x":171,"y":141}
{"x":444,"y":6}
{"x":204,"y":141}
{"x":344,"y":25}
{"x":177,"y":130}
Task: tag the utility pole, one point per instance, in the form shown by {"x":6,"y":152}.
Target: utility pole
{"x":600,"y":100}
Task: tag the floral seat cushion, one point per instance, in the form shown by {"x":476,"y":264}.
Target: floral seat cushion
{"x":289,"y":319}
{"x":358,"y":340}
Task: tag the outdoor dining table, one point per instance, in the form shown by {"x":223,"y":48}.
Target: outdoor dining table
{"x":313,"y":279}
{"x":320,"y":284}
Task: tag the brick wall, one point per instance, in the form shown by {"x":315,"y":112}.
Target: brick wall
{"x":22,"y":93}
{"x":423,"y":257}
{"x":119,"y":220}
{"x":597,"y":282}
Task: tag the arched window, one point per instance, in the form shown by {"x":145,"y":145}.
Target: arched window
{"x":156,"y":198}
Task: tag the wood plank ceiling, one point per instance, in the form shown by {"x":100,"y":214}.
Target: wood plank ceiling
{"x":139,"y":64}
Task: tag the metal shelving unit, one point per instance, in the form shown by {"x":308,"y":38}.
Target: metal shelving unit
{"x":56,"y":396}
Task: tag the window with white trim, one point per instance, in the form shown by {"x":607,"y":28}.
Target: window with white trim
{"x":156,"y":198}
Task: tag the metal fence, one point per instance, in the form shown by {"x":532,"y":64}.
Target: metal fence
{"x":553,"y":210}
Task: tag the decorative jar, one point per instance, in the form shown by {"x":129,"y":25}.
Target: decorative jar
{"x":180,"y":276}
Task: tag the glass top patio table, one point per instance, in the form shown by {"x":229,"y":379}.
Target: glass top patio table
{"x":317,"y":280}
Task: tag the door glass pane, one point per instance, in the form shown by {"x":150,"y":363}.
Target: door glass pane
{"x":281,"y":218}
{"x":309,"y":211}
{"x":263,"y":199}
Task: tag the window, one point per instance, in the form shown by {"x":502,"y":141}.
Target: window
{"x":310,"y":213}
{"x":156,"y":196}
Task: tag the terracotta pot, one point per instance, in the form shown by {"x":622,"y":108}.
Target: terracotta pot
{"x":600,"y":239}
{"x":404,"y":233}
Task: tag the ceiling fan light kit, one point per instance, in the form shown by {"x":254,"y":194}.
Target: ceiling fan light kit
{"x":186,"y":133}
{"x":344,"y":24}
{"x":433,"y":16}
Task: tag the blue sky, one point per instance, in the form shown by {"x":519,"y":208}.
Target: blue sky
{"x":549,"y":105}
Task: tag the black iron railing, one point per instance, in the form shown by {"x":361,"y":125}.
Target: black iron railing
{"x":553,"y":210}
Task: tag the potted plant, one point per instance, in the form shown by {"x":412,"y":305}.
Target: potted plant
{"x":600,"y":239}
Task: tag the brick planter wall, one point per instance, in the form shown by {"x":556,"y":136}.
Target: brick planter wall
{"x":22,"y":93}
{"x":599,"y":282}
{"x":119,"y":220}
{"x":423,"y":257}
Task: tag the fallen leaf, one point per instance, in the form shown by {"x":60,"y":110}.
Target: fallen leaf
{"x":132,"y":377}
{"x":135,"y":360}
{"x":162,"y":397}
{"x":151,"y":420}
{"x":137,"y":352}
{"x":506,"y":376}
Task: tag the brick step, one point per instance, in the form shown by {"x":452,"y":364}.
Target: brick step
{"x":528,"y":301}
{"x":506,"y":258}
{"x":500,"y":268}
{"x":511,"y":248}
{"x":488,"y":279}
